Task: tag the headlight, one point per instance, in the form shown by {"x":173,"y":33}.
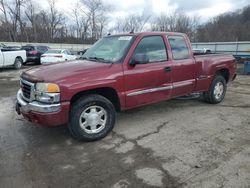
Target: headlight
{"x":47,"y":92}
{"x":47,"y":88}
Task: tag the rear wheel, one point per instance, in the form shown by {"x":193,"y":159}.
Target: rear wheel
{"x":92,"y":117}
{"x":18,"y":63}
{"x":216,"y":91}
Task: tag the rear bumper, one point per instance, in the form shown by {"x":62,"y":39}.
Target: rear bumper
{"x":49,"y":61}
{"x":43,"y":114}
{"x":32,"y":58}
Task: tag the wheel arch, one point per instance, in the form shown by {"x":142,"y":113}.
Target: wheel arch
{"x":223,"y":72}
{"x":19,"y":57}
{"x":107,"y":92}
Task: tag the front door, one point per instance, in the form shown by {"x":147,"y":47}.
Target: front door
{"x":149,"y":81}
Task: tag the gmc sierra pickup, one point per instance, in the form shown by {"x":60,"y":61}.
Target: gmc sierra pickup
{"x":120,"y":72}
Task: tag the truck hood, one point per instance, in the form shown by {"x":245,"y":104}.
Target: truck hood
{"x":59,"y":72}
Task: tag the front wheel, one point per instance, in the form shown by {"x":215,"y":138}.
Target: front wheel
{"x":92,"y":117}
{"x":216,"y":91}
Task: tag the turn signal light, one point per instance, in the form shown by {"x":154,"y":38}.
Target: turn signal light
{"x":53,"y":88}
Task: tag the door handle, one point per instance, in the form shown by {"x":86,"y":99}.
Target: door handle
{"x":167,"y":69}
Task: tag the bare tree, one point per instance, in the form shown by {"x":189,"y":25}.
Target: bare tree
{"x":232,"y":26}
{"x":102,"y":23}
{"x":132,"y":22}
{"x":31,"y":15}
{"x":95,"y":10}
{"x":176,"y":21}
{"x":76,"y":15}
{"x":12,"y":17}
{"x":22,"y":20}
{"x":5,"y":22}
{"x":161,"y":23}
{"x":43,"y":26}
{"x":56,"y":19}
{"x":81,"y":20}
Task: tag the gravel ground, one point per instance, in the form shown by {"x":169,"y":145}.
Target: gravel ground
{"x":177,"y":143}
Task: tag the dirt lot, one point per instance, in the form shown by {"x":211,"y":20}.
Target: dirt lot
{"x":177,"y":143}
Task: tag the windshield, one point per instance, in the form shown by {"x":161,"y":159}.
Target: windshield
{"x":109,"y":49}
{"x":53,"y":51}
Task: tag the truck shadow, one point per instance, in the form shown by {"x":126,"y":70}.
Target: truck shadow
{"x":52,"y":135}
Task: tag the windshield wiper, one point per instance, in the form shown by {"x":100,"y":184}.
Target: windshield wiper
{"x":98,"y":59}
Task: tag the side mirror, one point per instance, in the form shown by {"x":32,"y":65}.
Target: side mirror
{"x":139,"y":58}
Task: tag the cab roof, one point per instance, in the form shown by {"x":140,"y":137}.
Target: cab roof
{"x":149,"y":34}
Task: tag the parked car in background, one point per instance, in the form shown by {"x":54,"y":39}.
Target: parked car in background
{"x":34,"y":52}
{"x":81,"y":53}
{"x":10,"y":57}
{"x":198,"y":51}
{"x":57,"y":55}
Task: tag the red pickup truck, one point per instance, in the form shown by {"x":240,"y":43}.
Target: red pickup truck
{"x":120,"y":72}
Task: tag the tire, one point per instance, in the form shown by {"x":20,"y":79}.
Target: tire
{"x":217,"y":90}
{"x":18,"y":63}
{"x":92,"y":117}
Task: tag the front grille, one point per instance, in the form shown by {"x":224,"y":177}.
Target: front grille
{"x":26,"y":89}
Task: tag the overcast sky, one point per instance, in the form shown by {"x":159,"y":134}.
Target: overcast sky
{"x":204,"y":9}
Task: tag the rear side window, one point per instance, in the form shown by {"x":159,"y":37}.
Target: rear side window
{"x":28,"y":48}
{"x":153,"y":47}
{"x":179,"y":47}
{"x":42,"y":49}
{"x":52,"y":51}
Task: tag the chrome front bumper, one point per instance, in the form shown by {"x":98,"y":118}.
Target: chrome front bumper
{"x":34,"y":106}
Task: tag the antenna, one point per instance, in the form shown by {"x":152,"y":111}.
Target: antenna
{"x":132,"y":31}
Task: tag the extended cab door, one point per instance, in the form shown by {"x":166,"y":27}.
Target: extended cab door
{"x":149,"y":81}
{"x":183,"y":69}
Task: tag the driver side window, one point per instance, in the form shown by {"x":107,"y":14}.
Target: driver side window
{"x":153,"y":47}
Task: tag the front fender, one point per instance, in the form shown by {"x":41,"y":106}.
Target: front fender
{"x":67,"y":92}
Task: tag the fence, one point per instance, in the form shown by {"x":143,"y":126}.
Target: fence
{"x":238,"y":49}
{"x":74,"y":47}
